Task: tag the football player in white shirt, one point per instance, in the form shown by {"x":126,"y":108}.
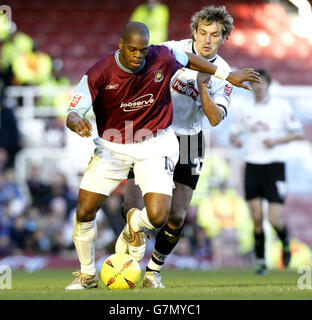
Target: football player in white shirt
{"x":269,"y":123}
{"x":194,"y":97}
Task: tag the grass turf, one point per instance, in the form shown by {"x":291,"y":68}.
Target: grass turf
{"x":221,"y":284}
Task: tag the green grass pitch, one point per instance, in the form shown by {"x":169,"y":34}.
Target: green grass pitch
{"x":223,"y":284}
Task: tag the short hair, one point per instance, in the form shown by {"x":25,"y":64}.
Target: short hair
{"x":135,"y":27}
{"x":213,"y":14}
{"x":264,"y":73}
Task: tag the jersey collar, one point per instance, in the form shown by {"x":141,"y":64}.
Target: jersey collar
{"x":124,"y":68}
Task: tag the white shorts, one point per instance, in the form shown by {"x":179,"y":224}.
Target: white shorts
{"x":153,"y":160}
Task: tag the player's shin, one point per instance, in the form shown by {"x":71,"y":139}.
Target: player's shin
{"x":84,"y":238}
{"x":166,"y":240}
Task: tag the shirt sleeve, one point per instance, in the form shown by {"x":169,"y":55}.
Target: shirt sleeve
{"x":181,"y":57}
{"x":81,"y":102}
{"x":222,"y":96}
{"x":292,"y":124}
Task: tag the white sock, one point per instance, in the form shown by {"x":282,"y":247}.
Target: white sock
{"x":159,"y":258}
{"x":84,"y":238}
{"x":140,"y":221}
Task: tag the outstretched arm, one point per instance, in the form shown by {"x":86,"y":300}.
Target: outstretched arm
{"x":237,"y":78}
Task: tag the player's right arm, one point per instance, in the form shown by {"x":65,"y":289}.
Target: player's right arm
{"x":82,"y":126}
{"x":78,"y":107}
{"x":213,"y":112}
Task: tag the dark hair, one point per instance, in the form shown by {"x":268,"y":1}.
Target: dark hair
{"x":264,"y":73}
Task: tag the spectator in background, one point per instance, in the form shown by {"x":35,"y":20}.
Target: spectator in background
{"x":269,"y":123}
{"x":223,"y":210}
{"x":14,"y":44}
{"x":9,"y":136}
{"x":156,"y":16}
{"x":31,"y":67}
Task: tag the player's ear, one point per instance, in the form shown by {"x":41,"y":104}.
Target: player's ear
{"x":120,"y":44}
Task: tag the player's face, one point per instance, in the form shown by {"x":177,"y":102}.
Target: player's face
{"x":260,"y":90}
{"x":208,"y":39}
{"x":133,"y":51}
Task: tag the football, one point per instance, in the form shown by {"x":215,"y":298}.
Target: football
{"x":120,"y":271}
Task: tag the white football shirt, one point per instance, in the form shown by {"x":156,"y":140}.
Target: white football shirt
{"x":188,"y":115}
{"x":272,"y":119}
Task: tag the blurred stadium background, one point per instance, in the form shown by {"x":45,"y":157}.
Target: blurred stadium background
{"x":41,"y":162}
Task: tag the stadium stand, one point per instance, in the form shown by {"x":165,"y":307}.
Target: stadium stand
{"x":81,"y":32}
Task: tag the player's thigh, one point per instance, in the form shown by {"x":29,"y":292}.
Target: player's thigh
{"x":132,"y":195}
{"x":154,"y":172}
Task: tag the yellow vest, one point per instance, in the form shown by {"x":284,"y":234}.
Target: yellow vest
{"x":32,"y":68}
{"x":226,"y":210}
{"x":156,"y":20}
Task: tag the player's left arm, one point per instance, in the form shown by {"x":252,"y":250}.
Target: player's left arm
{"x":270,"y":143}
{"x":213,"y":112}
{"x":292,"y":125}
{"x":237,"y":78}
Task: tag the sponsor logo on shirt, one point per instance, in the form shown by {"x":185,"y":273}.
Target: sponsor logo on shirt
{"x":228,"y":89}
{"x":138,"y":103}
{"x":159,"y":76}
{"x":112,"y":86}
{"x":187,"y":89}
{"x":75,"y":100}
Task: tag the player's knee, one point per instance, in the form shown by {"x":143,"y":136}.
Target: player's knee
{"x":175,"y":222}
{"x":158,"y":216}
{"x":85,"y":214}
{"x":257,"y":224}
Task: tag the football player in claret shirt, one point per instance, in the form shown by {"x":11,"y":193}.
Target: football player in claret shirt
{"x":130,"y":93}
{"x":195,"y":96}
{"x":269,"y":123}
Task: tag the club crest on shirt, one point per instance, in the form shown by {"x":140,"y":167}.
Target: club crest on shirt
{"x":228,"y":89}
{"x":158,"y":76}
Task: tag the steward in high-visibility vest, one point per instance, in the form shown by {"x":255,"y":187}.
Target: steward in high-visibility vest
{"x":32,"y":68}
{"x":13,"y":46}
{"x":226,"y":209}
{"x":156,"y":17}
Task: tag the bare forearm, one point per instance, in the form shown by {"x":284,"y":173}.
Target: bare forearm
{"x":200,"y":64}
{"x":212,"y":111}
{"x":237,"y":78}
{"x":288,"y":138}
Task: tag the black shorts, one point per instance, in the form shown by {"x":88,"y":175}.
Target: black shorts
{"x":265,"y":181}
{"x":188,"y":167}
